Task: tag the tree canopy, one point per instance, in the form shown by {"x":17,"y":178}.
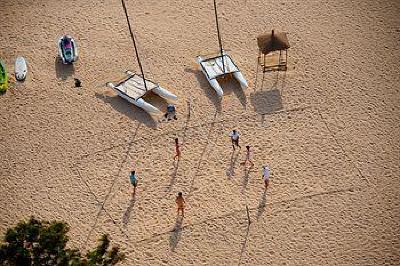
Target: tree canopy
{"x":36,"y":242}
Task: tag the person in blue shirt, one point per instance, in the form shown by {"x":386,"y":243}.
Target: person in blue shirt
{"x":171,"y":112}
{"x":134,"y":181}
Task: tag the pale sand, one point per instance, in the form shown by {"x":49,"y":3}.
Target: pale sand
{"x":330,"y":134}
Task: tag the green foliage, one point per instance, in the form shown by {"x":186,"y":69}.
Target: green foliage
{"x":100,"y":256}
{"x":44,"y":243}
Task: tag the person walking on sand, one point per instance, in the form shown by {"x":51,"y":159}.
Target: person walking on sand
{"x":180,"y":202}
{"x":234,"y":138}
{"x":248,"y":157}
{"x":134,"y":181}
{"x":177,"y":150}
{"x":266,"y":176}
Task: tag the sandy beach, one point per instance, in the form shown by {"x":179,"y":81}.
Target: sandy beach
{"x":328,"y":128}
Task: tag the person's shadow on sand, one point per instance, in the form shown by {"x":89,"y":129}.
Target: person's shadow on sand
{"x":266,"y":101}
{"x":63,"y":71}
{"x":230,"y":172}
{"x":262,"y":205}
{"x":127,"y":214}
{"x":176,"y":233}
{"x":246,"y":173}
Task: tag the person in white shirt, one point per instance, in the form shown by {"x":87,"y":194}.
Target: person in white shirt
{"x":234,"y":138}
{"x":265,"y":175}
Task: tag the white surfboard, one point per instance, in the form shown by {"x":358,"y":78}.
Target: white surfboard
{"x":21,"y":68}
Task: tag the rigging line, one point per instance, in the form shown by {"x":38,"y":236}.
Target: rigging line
{"x":134,"y":42}
{"x":341,"y":147}
{"x":238,"y":211}
{"x":174,"y":132}
{"x":219,"y":35}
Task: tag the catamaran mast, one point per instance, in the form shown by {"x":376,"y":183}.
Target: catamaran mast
{"x":134,"y":43}
{"x":219,"y":36}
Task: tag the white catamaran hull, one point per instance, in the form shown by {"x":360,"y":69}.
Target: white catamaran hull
{"x":239,"y":77}
{"x":139,"y":102}
{"x":166,"y":94}
{"x":213,"y":82}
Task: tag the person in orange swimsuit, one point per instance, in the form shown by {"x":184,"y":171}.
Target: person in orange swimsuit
{"x":248,"y":157}
{"x":180,"y":202}
{"x":177,"y":150}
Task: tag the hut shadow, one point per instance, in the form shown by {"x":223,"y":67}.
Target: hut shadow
{"x":245,"y":180}
{"x":208,"y":90}
{"x":131,"y":111}
{"x":262,"y":204}
{"x":176,"y":233}
{"x":127,"y":214}
{"x":230,"y":172}
{"x":266,"y":101}
{"x":63,"y":71}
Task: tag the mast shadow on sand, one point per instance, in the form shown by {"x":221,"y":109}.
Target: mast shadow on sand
{"x":173,"y":175}
{"x":262,"y":204}
{"x":205,"y":86}
{"x":230,"y":172}
{"x":229,"y":86}
{"x":246,"y":173}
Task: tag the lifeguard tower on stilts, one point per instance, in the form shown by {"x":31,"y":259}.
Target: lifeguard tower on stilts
{"x":273,"y":50}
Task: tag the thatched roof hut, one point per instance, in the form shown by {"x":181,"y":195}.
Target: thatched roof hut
{"x":274,"y":41}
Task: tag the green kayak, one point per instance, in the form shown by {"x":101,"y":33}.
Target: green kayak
{"x":3,"y":78}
